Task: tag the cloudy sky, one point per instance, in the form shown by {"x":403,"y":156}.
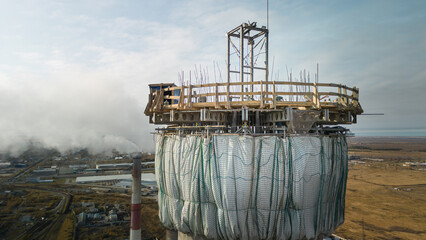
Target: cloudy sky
{"x":76,"y":73}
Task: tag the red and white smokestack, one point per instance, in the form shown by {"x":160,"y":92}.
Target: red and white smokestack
{"x":135,"y":209}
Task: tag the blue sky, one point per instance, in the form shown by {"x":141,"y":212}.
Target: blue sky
{"x":75,"y":73}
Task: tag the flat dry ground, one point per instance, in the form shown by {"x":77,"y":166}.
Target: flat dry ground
{"x":385,"y":200}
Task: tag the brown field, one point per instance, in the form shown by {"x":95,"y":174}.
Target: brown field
{"x":384,"y":199}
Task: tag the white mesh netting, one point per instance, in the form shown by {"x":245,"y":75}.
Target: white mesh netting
{"x":244,"y":187}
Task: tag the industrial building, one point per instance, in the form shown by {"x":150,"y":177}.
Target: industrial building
{"x":66,"y":170}
{"x":79,"y":166}
{"x":114,"y":166}
{"x":148,"y":179}
{"x":44,"y":172}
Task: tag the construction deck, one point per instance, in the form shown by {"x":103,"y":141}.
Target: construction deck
{"x":243,"y":104}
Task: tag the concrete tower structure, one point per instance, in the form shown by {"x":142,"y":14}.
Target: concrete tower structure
{"x":251,"y":157}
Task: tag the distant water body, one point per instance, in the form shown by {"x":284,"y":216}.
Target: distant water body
{"x":415,"y":132}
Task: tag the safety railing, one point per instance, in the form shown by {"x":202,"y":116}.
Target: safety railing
{"x":257,"y":94}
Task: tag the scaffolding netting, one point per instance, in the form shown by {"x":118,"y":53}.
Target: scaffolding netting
{"x":246,"y":187}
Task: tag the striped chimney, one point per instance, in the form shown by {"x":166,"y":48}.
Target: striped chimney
{"x":135,"y":209}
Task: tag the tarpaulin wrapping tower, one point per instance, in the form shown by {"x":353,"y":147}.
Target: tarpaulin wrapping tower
{"x":244,"y":187}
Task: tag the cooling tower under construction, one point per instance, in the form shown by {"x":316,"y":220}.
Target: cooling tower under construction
{"x":251,"y":158}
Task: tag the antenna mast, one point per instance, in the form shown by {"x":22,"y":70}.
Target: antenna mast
{"x":267,"y":14}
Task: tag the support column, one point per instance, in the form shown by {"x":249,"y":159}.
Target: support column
{"x":258,"y":127}
{"x":234,"y":122}
{"x":171,"y":234}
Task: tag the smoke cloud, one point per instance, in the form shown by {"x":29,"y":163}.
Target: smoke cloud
{"x":72,"y":108}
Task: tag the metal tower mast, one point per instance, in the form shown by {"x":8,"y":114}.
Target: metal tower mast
{"x":254,"y":41}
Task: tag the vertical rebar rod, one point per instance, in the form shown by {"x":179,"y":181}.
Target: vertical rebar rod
{"x":228,"y":66}
{"x":267,"y":14}
{"x":242,"y":59}
{"x":251,"y":64}
{"x":266,"y":61}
